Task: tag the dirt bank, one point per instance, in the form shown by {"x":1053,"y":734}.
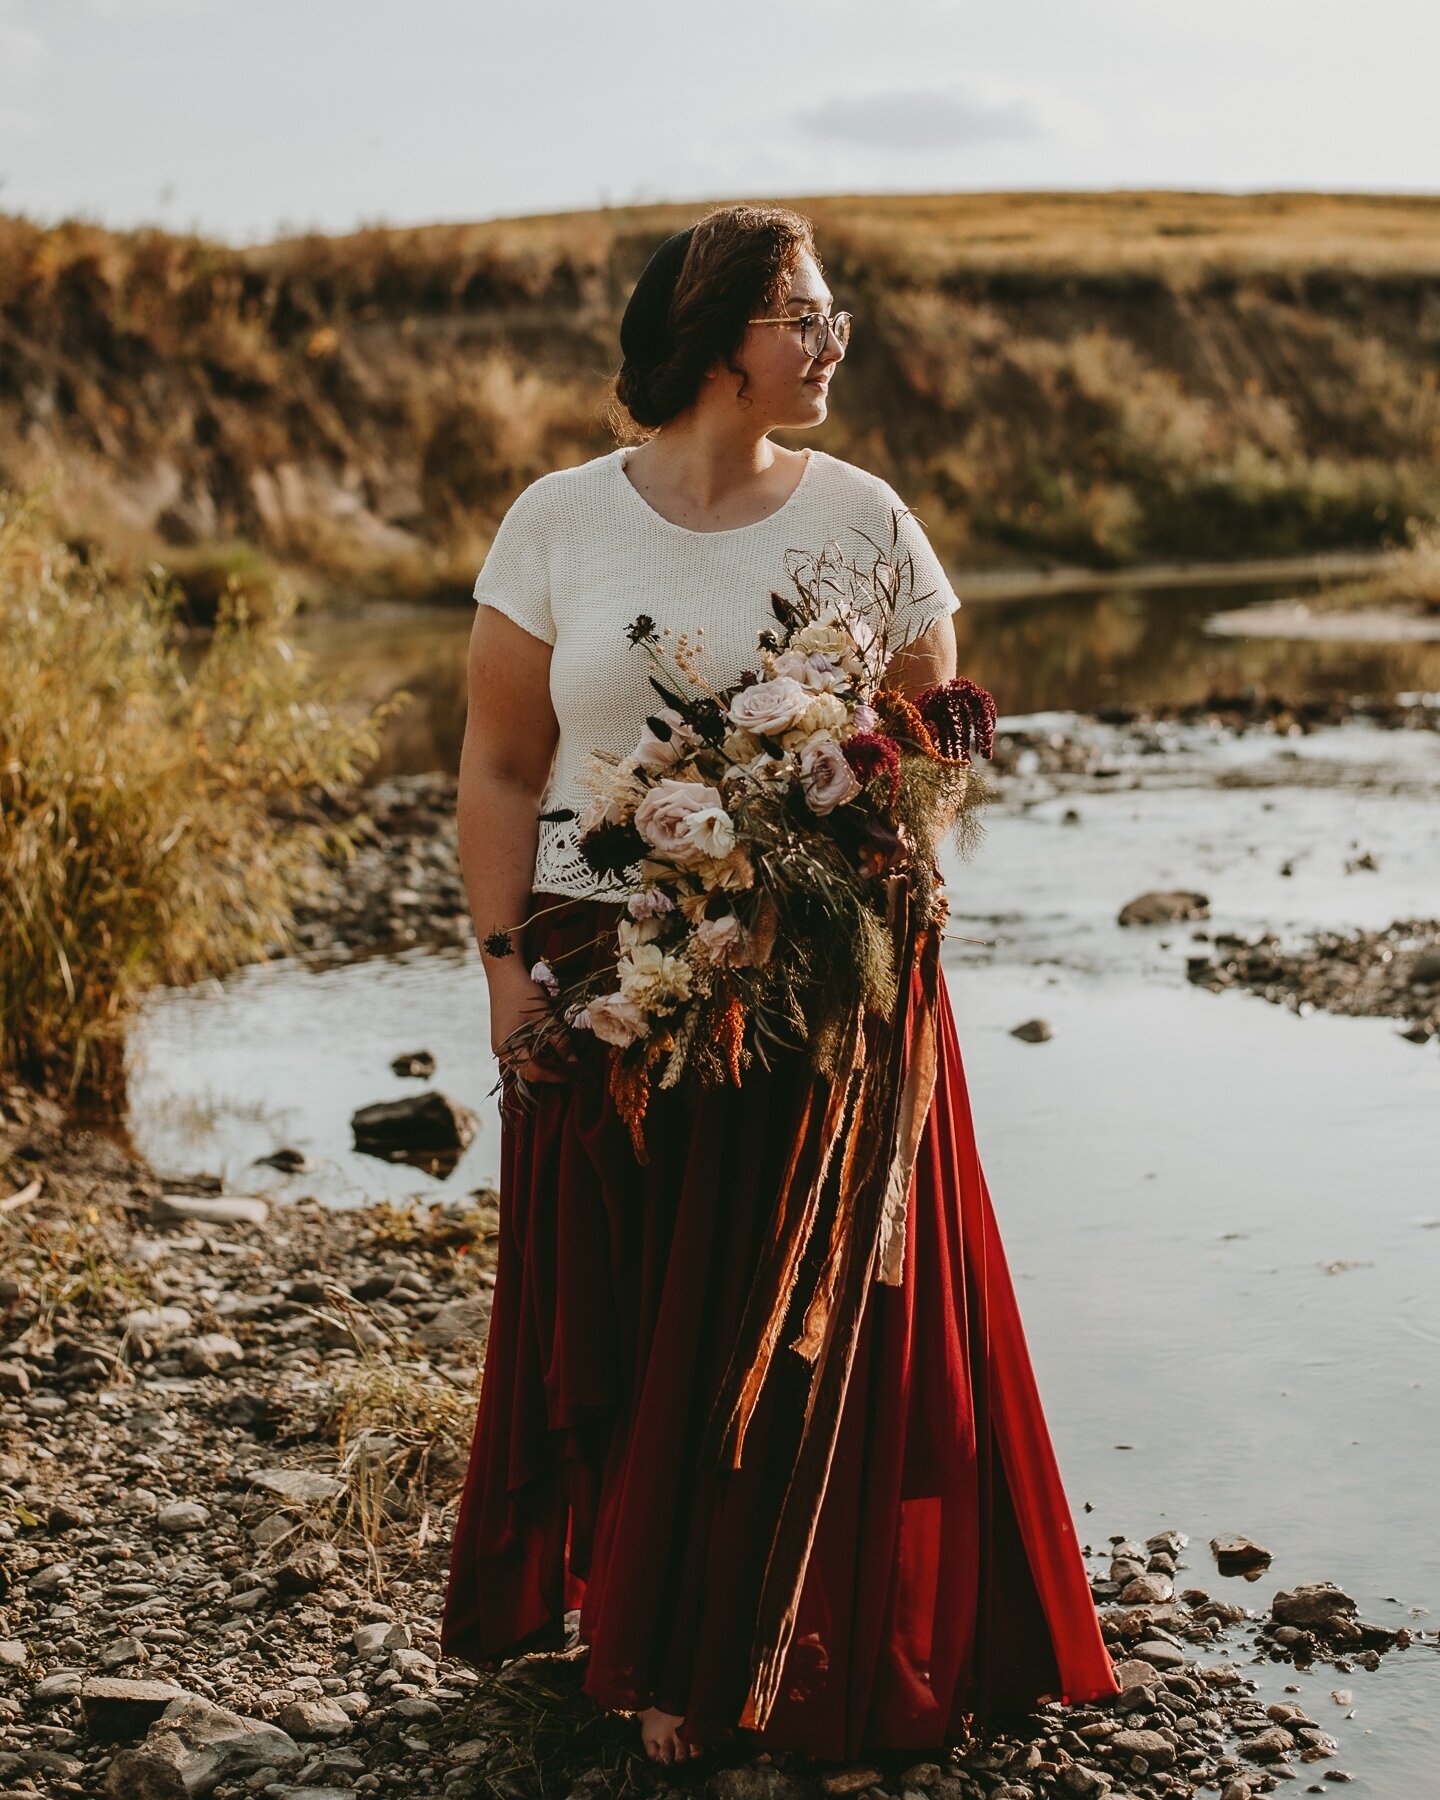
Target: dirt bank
{"x":1096,"y":379}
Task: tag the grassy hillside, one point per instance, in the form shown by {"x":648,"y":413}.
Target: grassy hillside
{"x":1102,"y":378}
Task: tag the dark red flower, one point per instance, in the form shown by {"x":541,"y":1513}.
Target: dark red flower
{"x":870,"y":754}
{"x":960,"y":716}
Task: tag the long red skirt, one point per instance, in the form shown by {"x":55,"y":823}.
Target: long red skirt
{"x":945,"y":1578}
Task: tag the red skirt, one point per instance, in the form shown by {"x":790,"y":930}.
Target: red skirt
{"x":945,"y":1584}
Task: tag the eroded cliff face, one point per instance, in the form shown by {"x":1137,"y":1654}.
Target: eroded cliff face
{"x":1095,"y":378}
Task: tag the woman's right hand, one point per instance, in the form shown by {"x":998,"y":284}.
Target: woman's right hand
{"x":519,"y":1001}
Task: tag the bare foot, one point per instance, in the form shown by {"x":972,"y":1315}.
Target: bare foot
{"x":660,"y":1734}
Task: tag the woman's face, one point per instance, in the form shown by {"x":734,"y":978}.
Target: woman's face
{"x":788,"y":386}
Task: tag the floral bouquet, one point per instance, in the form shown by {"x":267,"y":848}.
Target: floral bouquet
{"x":766,"y":820}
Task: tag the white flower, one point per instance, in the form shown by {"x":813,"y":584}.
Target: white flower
{"x":544,"y":976}
{"x":653,"y":977}
{"x":711,"y":831}
{"x":769,"y":707}
{"x":827,"y":779}
{"x":664,"y":819}
{"x":865,"y":717}
{"x":616,"y":1019}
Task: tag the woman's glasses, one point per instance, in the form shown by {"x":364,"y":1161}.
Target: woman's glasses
{"x":815,"y":327}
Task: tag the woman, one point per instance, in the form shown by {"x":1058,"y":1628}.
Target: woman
{"x":943,"y":1581}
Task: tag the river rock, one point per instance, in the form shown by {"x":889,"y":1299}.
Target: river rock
{"x":1425,"y":970}
{"x":416,"y":1065}
{"x":1313,"y":1603}
{"x":1147,"y":1590}
{"x":14,"y":1380}
{"x":430,"y":1121}
{"x":208,"y":1209}
{"x":1133,"y":1672}
{"x":192,"y":1747}
{"x":1236,"y":1552}
{"x":1149,"y":1744}
{"x":382,"y":1634}
{"x":313,"y":1718}
{"x":1268,"y":1746}
{"x":156,"y":1325}
{"x":1164,"y":907}
{"x":299,"y":1487}
{"x":463,"y":1321}
{"x":209,"y":1353}
{"x":62,"y":1684}
{"x":182,"y":1515}
{"x":286,"y":1159}
{"x":1033,"y":1031}
{"x":308,"y":1568}
{"x":118,"y":1711}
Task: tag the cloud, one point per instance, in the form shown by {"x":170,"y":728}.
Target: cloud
{"x":933,"y":119}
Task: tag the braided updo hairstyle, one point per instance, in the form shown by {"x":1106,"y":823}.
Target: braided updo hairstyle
{"x":692,"y":303}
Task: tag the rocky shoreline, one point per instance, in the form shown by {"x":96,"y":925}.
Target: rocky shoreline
{"x":231,"y":1439}
{"x":1391,"y":974}
{"x":403,"y":886}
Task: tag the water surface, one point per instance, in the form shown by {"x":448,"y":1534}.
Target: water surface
{"x":1223,"y":1218}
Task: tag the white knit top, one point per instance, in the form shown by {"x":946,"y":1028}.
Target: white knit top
{"x":580,"y":554}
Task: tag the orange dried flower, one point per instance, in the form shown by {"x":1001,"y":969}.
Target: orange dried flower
{"x":630,"y":1090}
{"x":730,"y":1035}
{"x":905,"y":720}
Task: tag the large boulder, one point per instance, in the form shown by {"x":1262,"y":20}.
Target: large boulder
{"x":419,"y":1124}
{"x":118,"y":1711}
{"x":192,"y":1747}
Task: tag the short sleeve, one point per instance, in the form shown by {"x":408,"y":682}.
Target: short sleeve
{"x":928,"y":595}
{"x":515,"y":576}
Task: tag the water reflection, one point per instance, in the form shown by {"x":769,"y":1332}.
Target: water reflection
{"x":1130,"y":646}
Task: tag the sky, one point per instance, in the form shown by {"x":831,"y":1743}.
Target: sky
{"x":255,"y":119}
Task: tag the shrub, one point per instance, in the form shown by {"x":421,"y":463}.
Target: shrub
{"x":155,"y":825}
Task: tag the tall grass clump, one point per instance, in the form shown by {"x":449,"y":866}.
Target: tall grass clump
{"x":155,"y":825}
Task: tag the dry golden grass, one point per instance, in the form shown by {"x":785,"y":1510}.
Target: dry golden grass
{"x":156,"y":824}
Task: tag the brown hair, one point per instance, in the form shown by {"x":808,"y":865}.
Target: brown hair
{"x":740,"y":262}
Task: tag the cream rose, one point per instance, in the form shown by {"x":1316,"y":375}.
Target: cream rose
{"x":818,"y":672}
{"x":616,"y":1019}
{"x":663,"y":818}
{"x":769,"y":707}
{"x":825,"y":717}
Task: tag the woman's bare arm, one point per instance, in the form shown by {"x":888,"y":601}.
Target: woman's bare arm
{"x":929,"y":659}
{"x":510,"y":737}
